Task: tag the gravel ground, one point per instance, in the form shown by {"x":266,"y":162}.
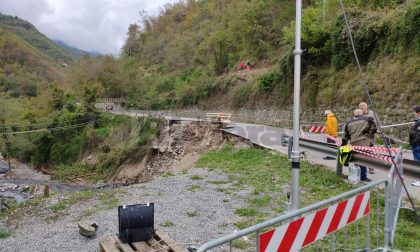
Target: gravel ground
{"x":173,"y":198}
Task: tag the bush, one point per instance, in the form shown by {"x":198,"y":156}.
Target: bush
{"x":268,"y":81}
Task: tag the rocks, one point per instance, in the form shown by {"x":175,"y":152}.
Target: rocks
{"x":20,"y":193}
{"x":3,"y":204}
{"x":3,"y":167}
{"x":87,"y":230}
{"x":175,"y":149}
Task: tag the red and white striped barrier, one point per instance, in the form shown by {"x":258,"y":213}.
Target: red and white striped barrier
{"x":375,"y":149}
{"x":316,"y":129}
{"x":306,"y":230}
{"x":372,"y":152}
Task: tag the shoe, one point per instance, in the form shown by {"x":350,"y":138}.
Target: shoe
{"x":328,"y":158}
{"x":415,"y":182}
{"x":371,"y":171}
{"x":366,"y":180}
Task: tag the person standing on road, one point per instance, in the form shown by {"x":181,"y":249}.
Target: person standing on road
{"x":330,"y":126}
{"x":415,"y":135}
{"x":366,"y":112}
{"x":369,"y":113}
{"x":359,"y":131}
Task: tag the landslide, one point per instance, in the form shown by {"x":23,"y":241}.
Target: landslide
{"x":178,"y":147}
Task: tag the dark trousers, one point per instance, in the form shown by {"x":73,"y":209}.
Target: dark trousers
{"x":416,"y":152}
{"x":363,"y":172}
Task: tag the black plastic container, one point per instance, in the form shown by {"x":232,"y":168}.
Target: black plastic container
{"x":136,"y":222}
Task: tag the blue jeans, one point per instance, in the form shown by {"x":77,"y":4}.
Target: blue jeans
{"x":363,"y":172}
{"x":416,"y":152}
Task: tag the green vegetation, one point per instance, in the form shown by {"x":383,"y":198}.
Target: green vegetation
{"x":194,"y":188}
{"x":190,"y":52}
{"x":71,"y":200}
{"x":240,"y":244}
{"x":107,"y":200}
{"x":246,"y":212}
{"x":168,"y":224}
{"x":72,"y":132}
{"x":39,"y":206}
{"x":168,"y":174}
{"x":266,"y":174}
{"x":5,"y":233}
{"x":261,"y":201}
{"x":31,"y":35}
{"x":24,"y":71}
{"x":192,"y":214}
{"x":196,"y":177}
{"x":218,"y":182}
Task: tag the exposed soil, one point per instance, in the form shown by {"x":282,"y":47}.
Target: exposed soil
{"x":178,"y":147}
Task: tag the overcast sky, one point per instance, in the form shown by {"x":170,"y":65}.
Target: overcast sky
{"x":99,"y":25}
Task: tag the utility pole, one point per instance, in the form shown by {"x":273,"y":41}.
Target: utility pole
{"x":296,"y":102}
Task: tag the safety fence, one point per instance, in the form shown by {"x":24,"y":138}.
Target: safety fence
{"x":354,"y":220}
{"x":111,"y":100}
{"x":219,"y":117}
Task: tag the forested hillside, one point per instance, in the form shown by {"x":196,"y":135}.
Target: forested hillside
{"x":30,"y":34}
{"x":189,"y":54}
{"x":23,"y":68}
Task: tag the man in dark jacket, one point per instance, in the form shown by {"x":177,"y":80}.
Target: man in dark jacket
{"x":415,"y":135}
{"x":360,"y":131}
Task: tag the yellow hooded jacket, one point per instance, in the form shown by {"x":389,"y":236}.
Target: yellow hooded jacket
{"x":331,"y":125}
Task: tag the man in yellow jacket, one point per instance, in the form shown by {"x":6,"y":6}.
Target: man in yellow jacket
{"x":331,"y":126}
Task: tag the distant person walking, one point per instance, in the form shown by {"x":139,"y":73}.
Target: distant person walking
{"x":359,"y":131}
{"x":248,"y":65}
{"x":241,"y":66}
{"x":415,"y":135}
{"x":220,"y":116}
{"x":330,"y":126}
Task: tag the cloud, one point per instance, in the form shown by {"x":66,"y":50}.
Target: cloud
{"x":99,"y":25}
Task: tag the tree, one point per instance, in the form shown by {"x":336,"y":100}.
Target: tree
{"x":131,"y":44}
{"x":57,"y":101}
{"x":89,"y":98}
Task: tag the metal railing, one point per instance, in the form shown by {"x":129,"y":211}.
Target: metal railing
{"x":392,"y":199}
{"x":222,"y":117}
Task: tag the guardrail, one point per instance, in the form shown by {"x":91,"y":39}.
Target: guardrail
{"x":218,"y":117}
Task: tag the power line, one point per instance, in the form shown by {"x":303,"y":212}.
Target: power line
{"x":43,"y":124}
{"x":49,"y":129}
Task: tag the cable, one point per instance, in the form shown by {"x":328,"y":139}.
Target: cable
{"x":49,"y":129}
{"x":362,"y":79}
{"x":40,"y":124}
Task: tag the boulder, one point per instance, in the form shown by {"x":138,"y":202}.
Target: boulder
{"x":87,"y":230}
{"x":3,"y":167}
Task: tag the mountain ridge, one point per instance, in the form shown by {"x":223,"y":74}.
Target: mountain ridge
{"x":76,"y":52}
{"x":28,"y":32}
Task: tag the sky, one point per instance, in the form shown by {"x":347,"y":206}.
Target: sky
{"x":92,"y":25}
